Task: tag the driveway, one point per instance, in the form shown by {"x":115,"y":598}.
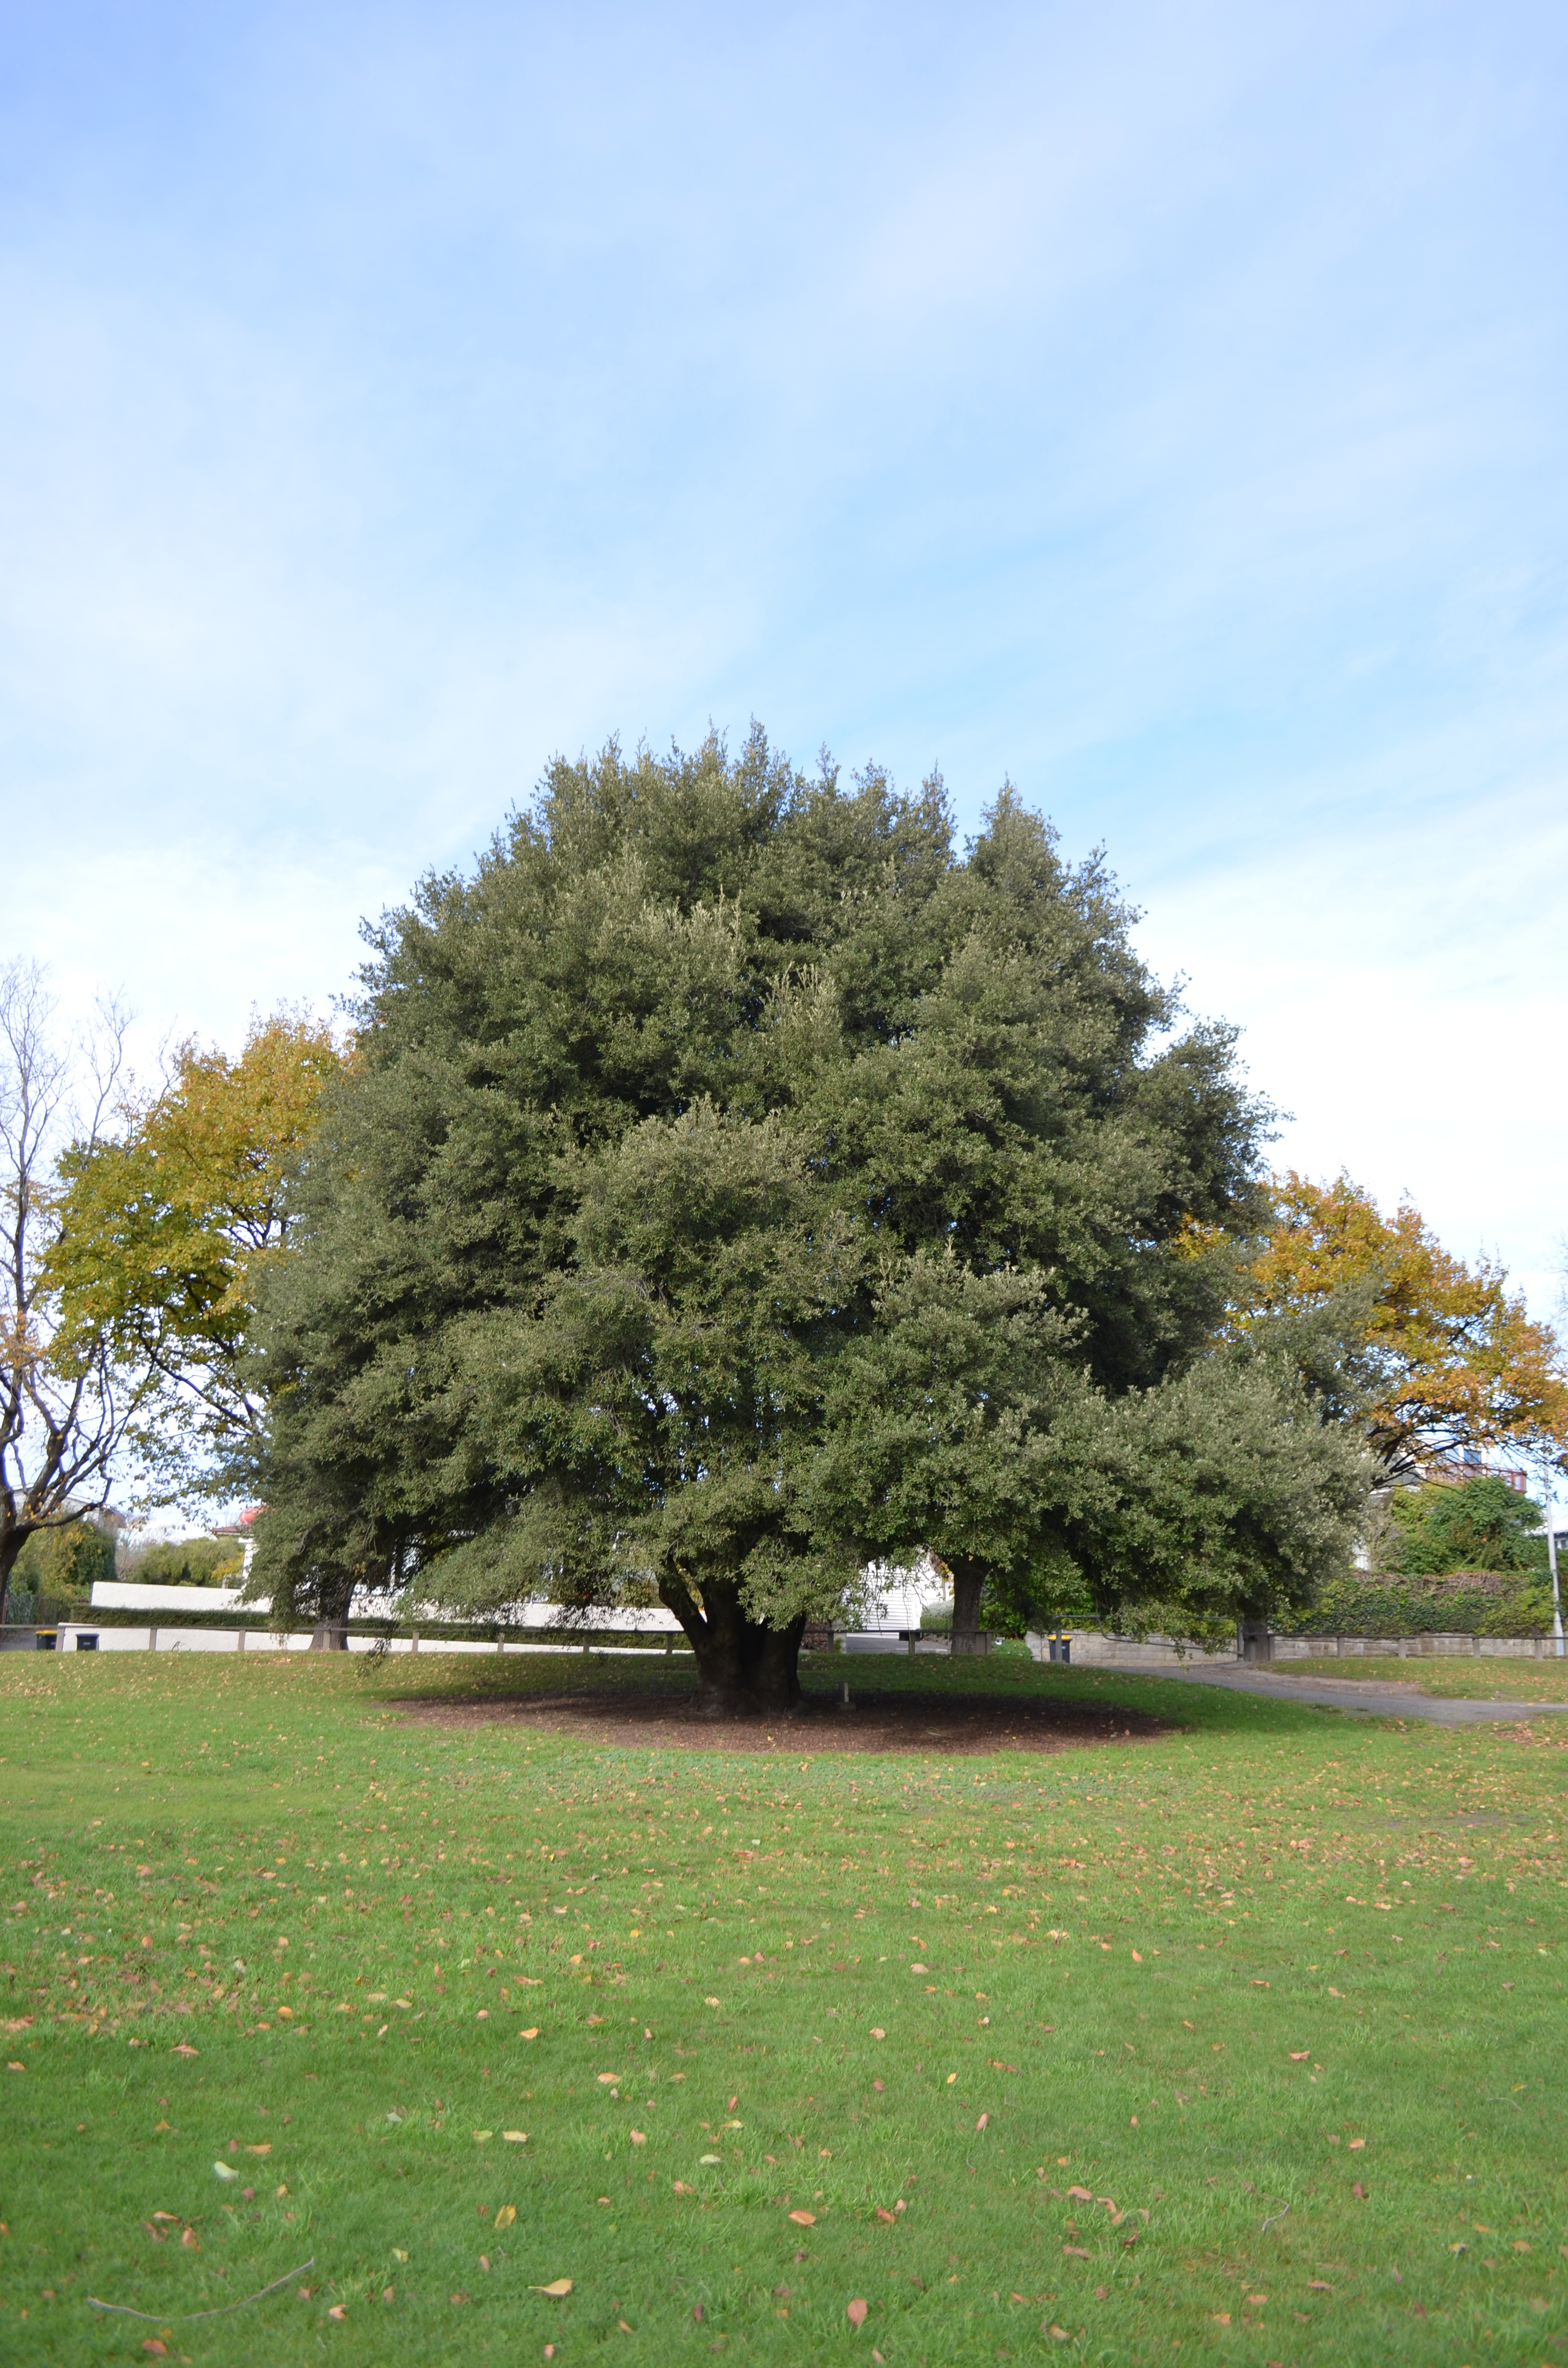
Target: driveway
{"x":1368,"y":1694}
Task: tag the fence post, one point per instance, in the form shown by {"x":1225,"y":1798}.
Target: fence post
{"x":152,"y":1640}
{"x":241,"y":1645}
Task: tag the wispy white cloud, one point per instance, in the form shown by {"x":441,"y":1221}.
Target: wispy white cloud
{"x":1163,"y":406}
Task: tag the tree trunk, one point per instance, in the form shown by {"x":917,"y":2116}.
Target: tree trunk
{"x":11,"y":1545}
{"x":1255,"y":1639}
{"x":334,"y":1602}
{"x":743,"y":1667}
{"x":969,"y":1580}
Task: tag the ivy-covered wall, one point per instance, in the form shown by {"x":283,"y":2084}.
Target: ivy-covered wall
{"x":1464,"y":1602}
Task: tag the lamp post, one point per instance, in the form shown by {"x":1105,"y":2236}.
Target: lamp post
{"x":1557,"y":1640}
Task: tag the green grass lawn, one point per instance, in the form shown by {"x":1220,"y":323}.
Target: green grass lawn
{"x":1480,"y":1680}
{"x":1245,"y":2042}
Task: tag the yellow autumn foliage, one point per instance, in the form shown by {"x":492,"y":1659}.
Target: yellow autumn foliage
{"x":163,"y":1230}
{"x":1458,"y":1362}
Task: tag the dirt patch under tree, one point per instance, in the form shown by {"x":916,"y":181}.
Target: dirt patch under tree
{"x":941,"y":1723}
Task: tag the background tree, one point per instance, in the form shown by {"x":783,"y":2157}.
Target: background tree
{"x":64,"y":1562}
{"x":189,"y":1562}
{"x":670,"y":1128}
{"x":66,"y":1405}
{"x":1453,"y":1361}
{"x":166,"y":1227}
{"x":1481,"y":1525}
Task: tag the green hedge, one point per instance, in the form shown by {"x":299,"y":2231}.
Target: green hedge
{"x":1466,"y":1602}
{"x":79,"y":1612}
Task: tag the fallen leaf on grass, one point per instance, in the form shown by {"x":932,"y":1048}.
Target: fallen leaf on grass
{"x":1360,"y":2190}
{"x":855,"y":2311}
{"x":1302,"y":2057}
{"x":1319,"y":2285}
{"x":804,"y":2219}
{"x":555,"y":2289}
{"x":338,"y":2310}
{"x":885,"y":2215}
{"x":185,"y":2048}
{"x":482,"y":2137}
{"x":682,"y":2189}
{"x":14,"y":2067}
{"x":983,"y":2119}
{"x":529,"y":2034}
{"x":1058,"y":2334}
{"x":1081,"y":2194}
{"x":151,"y":2343}
{"x":516,"y":2137}
{"x":223,"y":2171}
{"x":639,"y":2137}
{"x":1077,"y":2252}
{"x":876,"y":2033}
{"x":264,"y":2148}
{"x":504,"y":2217}
{"x":398,"y":2253}
{"x":1357,"y":2142}
{"x":609,"y":2080}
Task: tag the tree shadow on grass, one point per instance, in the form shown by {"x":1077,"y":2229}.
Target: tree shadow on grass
{"x":926,"y":1720}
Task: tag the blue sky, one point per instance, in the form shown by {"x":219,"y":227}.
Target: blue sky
{"x":1164,"y":406}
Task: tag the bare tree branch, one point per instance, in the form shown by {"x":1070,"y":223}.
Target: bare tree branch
{"x":63,"y":1410}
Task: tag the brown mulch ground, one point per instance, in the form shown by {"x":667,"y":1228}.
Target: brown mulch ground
{"x":930,"y":1722}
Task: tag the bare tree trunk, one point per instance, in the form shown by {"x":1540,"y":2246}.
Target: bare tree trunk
{"x":11,"y":1545}
{"x":969,"y":1581}
{"x":65,"y":1409}
{"x":744,"y":1667}
{"x":1255,"y":1638}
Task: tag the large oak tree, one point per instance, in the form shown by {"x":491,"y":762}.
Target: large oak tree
{"x":735,"y":1179}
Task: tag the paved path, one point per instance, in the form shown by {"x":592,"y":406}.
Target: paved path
{"x":1367,"y":1694}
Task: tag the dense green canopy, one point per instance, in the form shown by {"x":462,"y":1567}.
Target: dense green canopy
{"x":1479,"y":1524}
{"x":733,"y":1181}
